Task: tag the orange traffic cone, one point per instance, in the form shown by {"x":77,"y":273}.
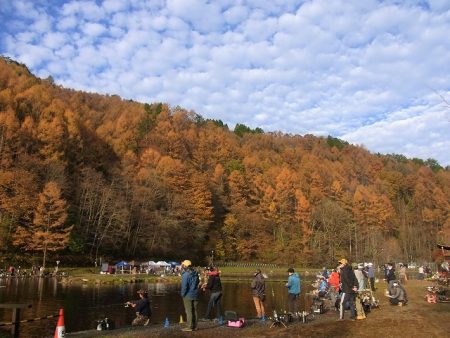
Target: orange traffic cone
{"x":60,"y":331}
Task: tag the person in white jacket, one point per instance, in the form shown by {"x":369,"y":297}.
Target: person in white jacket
{"x":360,"y":277}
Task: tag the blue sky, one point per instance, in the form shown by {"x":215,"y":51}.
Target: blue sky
{"x":375,"y":73}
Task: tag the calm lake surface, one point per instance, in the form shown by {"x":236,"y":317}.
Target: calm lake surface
{"x":84,"y":304}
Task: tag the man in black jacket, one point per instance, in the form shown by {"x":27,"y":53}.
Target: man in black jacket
{"x":349,"y":287}
{"x":214,"y":285}
{"x":390,"y":275}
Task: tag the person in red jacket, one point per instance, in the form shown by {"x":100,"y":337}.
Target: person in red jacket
{"x":214,"y":285}
{"x":334,"y":280}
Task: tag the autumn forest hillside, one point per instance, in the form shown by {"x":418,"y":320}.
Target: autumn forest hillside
{"x":87,"y":175}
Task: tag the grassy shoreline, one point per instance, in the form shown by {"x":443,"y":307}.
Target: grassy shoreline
{"x":93,"y":276}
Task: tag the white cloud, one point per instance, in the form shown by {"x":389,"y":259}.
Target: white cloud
{"x":42,"y":24}
{"x":201,"y":15}
{"x":26,"y":37}
{"x":439,"y":5}
{"x":33,"y":56}
{"x":419,"y":131}
{"x":67,"y":22}
{"x":25,"y":9}
{"x":88,"y":10}
{"x":93,"y":29}
{"x":54,"y":40}
{"x":366,"y":71}
{"x":111,"y":6}
{"x":235,"y":15}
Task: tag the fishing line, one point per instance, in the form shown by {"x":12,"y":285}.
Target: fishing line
{"x":102,"y":306}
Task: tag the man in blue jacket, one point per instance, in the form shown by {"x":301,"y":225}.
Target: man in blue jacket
{"x":189,"y":291}
{"x":293,"y":286}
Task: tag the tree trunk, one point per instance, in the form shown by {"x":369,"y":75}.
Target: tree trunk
{"x":45,"y":256}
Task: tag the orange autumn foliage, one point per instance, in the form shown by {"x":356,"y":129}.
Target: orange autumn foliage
{"x":150,"y":180}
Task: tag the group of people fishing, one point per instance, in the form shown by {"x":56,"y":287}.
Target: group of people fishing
{"x":343,"y":284}
{"x":191,"y":284}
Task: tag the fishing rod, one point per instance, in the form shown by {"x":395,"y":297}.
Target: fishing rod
{"x":106,"y":305}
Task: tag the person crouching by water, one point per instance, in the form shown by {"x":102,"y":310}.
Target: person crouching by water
{"x":190,"y":281}
{"x":259,"y":294}
{"x":214,"y":285}
{"x":293,"y":285}
{"x":142,"y":308}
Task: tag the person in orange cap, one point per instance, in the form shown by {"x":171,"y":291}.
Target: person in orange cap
{"x":190,"y":281}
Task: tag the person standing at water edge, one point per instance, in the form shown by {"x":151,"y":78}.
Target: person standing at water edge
{"x":293,"y":285}
{"x":421,"y":274}
{"x":190,"y":281}
{"x":259,"y":294}
{"x":214,"y":285}
{"x":371,"y":276}
{"x":360,"y":276}
{"x":390,"y":273}
{"x":334,"y":286}
{"x":142,"y":308}
{"x":402,"y":274}
{"x":349,"y":286}
{"x":334,"y":280}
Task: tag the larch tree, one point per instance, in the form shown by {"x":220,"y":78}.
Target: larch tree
{"x":16,"y":206}
{"x":303,"y":217}
{"x":49,"y":231}
{"x":373,"y":213}
{"x":284,"y":203}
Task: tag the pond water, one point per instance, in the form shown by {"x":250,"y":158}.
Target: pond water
{"x":84,"y":304}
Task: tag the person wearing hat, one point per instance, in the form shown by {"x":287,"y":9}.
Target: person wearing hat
{"x":293,"y":285}
{"x":259,"y":294}
{"x":371,"y":275}
{"x":349,"y":287}
{"x":402,"y":274}
{"x":390,"y":273}
{"x":397,"y":294}
{"x":142,"y":308}
{"x":214,"y":285}
{"x":323,"y":286}
{"x":190,"y":281}
{"x":360,"y":277}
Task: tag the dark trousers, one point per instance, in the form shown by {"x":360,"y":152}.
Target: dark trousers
{"x":350,"y":299}
{"x":190,"y":306}
{"x":293,"y":302}
{"x":372,"y":283}
{"x":214,"y":301}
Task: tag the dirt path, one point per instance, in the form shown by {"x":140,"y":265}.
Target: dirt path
{"x":417,"y":319}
